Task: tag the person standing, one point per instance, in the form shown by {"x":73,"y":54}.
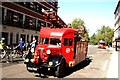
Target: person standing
{"x":33,"y":44}
{"x":21,"y":44}
{"x":2,"y":42}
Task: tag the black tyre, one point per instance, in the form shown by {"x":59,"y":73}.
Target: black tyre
{"x":60,"y":72}
{"x":28,"y":65}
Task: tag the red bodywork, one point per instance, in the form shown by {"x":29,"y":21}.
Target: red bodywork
{"x":66,"y":49}
{"x":55,"y":49}
{"x":101,"y":44}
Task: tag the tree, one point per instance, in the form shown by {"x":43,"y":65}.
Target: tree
{"x":79,"y":24}
{"x":105,"y":33}
{"x":93,"y":39}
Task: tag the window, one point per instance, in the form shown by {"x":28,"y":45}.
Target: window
{"x":34,"y":6}
{"x":68,"y":41}
{"x":5,"y":35}
{"x":20,"y":20}
{"x":36,"y":37}
{"x":39,"y":8}
{"x":55,"y":41}
{"x":55,"y":4}
{"x":27,"y":4}
{"x":48,"y":25}
{"x":17,"y":38}
{"x":44,"y":40}
{"x":26,"y":22}
{"x":38,"y":25}
{"x":27,"y":38}
{"x":43,"y":24}
{"x":2,"y":15}
{"x":31,"y":38}
{"x":23,"y":36}
{"x":9,"y":17}
{"x":33,"y":24}
{"x":11,"y":38}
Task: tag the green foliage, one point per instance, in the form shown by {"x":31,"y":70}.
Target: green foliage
{"x":105,"y":33}
{"x":93,"y":39}
{"x":77,"y":24}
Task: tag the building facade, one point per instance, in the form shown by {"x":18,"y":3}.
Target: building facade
{"x":116,"y":38}
{"x":25,"y":19}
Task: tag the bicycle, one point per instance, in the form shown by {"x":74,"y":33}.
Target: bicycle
{"x":17,"y":53}
{"x":6,"y":55}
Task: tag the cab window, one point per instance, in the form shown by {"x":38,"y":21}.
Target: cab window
{"x":68,"y":41}
{"x":44,"y":40}
{"x":55,"y":41}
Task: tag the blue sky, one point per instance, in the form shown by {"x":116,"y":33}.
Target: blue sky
{"x":94,"y":13}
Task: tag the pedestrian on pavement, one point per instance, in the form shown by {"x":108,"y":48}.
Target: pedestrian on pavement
{"x":33,"y":44}
{"x":5,"y":51}
{"x":2,"y":43}
{"x":21,"y":44}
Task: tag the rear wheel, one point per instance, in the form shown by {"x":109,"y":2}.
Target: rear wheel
{"x":60,"y":72}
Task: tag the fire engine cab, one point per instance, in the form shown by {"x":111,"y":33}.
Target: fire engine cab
{"x":57,"y":49}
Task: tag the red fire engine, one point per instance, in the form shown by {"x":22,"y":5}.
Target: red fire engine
{"x":102,"y":44}
{"x":57,"y":49}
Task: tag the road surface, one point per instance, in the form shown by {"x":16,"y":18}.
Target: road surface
{"x":94,"y":67}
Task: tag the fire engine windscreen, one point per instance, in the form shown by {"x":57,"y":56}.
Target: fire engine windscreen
{"x":44,"y":40}
{"x":53,"y":41}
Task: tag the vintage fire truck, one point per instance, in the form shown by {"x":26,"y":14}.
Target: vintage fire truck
{"x":57,"y":49}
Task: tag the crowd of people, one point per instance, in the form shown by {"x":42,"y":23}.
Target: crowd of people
{"x":21,"y":45}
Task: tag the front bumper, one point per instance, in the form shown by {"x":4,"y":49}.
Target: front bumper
{"x":41,"y":68}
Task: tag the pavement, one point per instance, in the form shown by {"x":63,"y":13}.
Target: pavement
{"x":113,"y":66}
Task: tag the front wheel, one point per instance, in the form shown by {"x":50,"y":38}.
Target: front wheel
{"x":2,"y":54}
{"x":60,"y":72}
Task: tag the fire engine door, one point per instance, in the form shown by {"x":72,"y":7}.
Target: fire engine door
{"x":68,"y":47}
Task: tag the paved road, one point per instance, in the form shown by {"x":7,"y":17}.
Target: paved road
{"x":95,"y":68}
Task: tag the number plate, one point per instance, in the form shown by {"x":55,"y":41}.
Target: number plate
{"x":30,"y":68}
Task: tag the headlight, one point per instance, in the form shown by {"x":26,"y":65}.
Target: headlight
{"x":48,"y":51}
{"x":56,"y":62}
{"x":50,"y":63}
{"x":32,"y":60}
{"x":26,"y":60}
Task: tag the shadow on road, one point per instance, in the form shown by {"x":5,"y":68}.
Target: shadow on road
{"x":79,"y":66}
{"x":70,"y":70}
